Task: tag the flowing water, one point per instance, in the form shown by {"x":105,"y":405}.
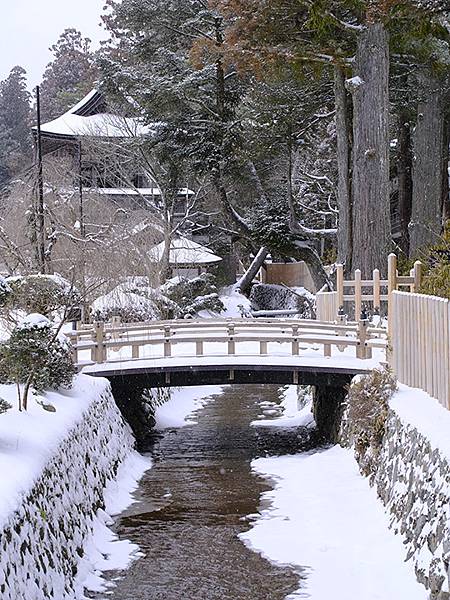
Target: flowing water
{"x":193,"y":504}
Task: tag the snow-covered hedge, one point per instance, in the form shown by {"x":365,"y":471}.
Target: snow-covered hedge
{"x":58,"y":465}
{"x":40,"y":293}
{"x":133,"y":301}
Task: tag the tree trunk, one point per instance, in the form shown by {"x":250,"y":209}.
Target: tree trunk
{"x":404,"y":172}
{"x":370,"y":183}
{"x":428,"y":165}
{"x":245,"y":281}
{"x":445,"y":172}
{"x":343,"y":142}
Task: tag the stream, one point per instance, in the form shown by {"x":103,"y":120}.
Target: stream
{"x":193,"y":504}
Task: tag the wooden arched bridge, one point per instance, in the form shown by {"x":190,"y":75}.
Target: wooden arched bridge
{"x":326,"y":351}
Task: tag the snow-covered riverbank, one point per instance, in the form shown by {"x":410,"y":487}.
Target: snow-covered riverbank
{"x":324,"y":518}
{"x":58,"y":467}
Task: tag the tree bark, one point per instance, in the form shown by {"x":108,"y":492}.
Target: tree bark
{"x":370,"y":182}
{"x":428,"y":166}
{"x":245,"y":281}
{"x":343,"y":143}
{"x":404,"y":173}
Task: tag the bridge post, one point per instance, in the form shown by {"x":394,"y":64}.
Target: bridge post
{"x":417,"y":274}
{"x":167,"y":344}
{"x":362,"y":350}
{"x":231,"y":342}
{"x":392,"y":286}
{"x":340,"y":285}
{"x":358,"y":294}
{"x":99,"y":338}
{"x":295,"y":346}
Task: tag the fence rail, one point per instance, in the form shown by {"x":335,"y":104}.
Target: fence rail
{"x":420,"y":338}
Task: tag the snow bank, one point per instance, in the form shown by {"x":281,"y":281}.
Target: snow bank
{"x":324,"y":519}
{"x":296,"y":413}
{"x":61,"y":468}
{"x":177,"y":411}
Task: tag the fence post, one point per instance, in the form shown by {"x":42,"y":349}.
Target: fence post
{"x":231,"y":342}
{"x":392,"y":286}
{"x":376,"y":291}
{"x":99,"y":337}
{"x":295,"y":345}
{"x":358,"y":293}
{"x":417,"y":272}
{"x":340,"y":285}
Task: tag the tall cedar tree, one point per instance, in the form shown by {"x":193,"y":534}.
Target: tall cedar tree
{"x":352,"y":36}
{"x":15,"y":138}
{"x":69,"y":76}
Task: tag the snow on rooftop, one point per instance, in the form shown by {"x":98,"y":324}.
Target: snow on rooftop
{"x":184,"y":252}
{"x":100,"y":125}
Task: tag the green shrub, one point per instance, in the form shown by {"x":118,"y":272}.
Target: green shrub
{"x":436,"y":281}
{"x":194,"y":295}
{"x":36,"y":356}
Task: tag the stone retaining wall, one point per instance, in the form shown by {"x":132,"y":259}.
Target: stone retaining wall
{"x":413,"y":481}
{"x":41,"y":544}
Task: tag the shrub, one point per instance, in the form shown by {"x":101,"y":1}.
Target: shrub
{"x":36,"y":356}
{"x":5,"y":291}
{"x":133,"y":304}
{"x":436,"y":281}
{"x":41,"y":294}
{"x":366,"y":414}
{"x":4,"y":406}
{"x":194,"y":295}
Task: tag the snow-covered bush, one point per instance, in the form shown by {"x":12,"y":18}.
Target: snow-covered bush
{"x":194,"y":295}
{"x":366,"y":414}
{"x":4,"y":406}
{"x":37,"y":356}
{"x":265,"y":296}
{"x":5,"y":291}
{"x":41,"y":294}
{"x":133,"y":301}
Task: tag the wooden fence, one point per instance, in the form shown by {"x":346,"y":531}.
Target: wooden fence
{"x":420,"y":339}
{"x":351,"y":296}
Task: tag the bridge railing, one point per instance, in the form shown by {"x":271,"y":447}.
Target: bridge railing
{"x":105,"y":340}
{"x":420,"y":339}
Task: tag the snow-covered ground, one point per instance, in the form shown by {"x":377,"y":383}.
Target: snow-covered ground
{"x":29,"y":439}
{"x":323,"y":518}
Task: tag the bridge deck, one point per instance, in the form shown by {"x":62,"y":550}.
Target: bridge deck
{"x":195,"y":370}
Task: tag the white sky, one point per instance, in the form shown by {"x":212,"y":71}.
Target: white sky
{"x":29,"y":27}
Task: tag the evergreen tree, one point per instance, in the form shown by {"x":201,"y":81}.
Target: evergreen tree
{"x":69,"y":76}
{"x":15,"y":134}
{"x":353,"y":37}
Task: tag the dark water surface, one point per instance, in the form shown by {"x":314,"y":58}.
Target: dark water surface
{"x":192,"y":504}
